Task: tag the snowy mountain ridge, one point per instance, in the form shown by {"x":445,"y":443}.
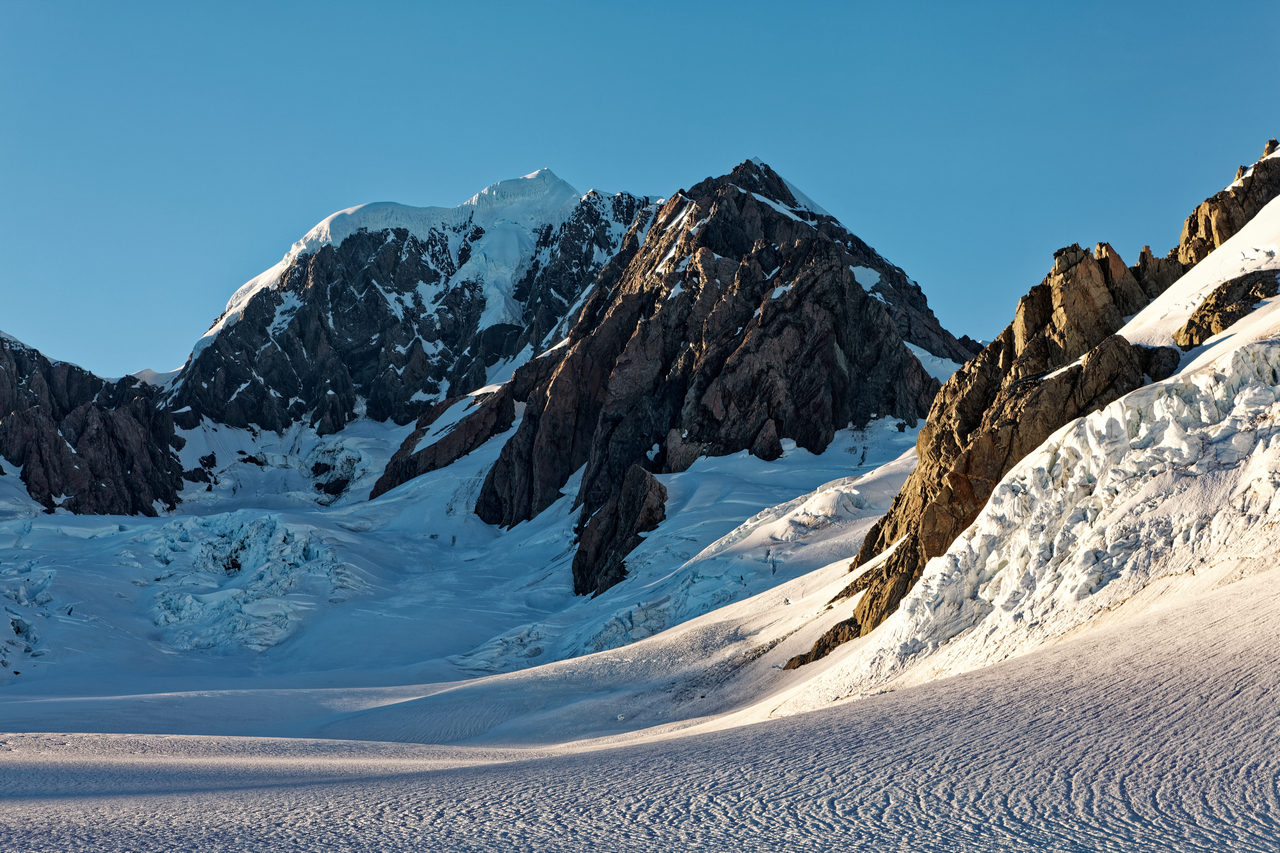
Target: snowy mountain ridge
{"x":1167,"y":493}
{"x":387,"y":309}
{"x":518,"y":208}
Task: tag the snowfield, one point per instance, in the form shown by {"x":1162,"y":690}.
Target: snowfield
{"x":256,"y":577}
{"x":1152,"y":735}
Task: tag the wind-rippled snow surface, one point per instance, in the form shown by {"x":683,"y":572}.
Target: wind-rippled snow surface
{"x":1157,"y":735}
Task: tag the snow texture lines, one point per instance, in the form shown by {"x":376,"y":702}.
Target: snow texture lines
{"x":1151,"y":736}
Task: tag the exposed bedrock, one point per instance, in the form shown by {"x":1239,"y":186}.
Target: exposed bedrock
{"x":1217,"y":219}
{"x":613,"y":532}
{"x":492,"y":414}
{"x":85,"y":444}
{"x":1229,"y":302}
{"x":740,"y":323}
{"x":1058,"y":360}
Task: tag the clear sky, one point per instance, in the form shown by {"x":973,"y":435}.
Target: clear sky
{"x":153,"y":157}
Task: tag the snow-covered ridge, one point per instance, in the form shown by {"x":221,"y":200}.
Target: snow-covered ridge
{"x":1180,"y":478}
{"x":535,"y":199}
{"x":1275,"y":155}
{"x":1255,"y":247}
{"x":510,"y":212}
{"x":803,"y":200}
{"x":939,"y":368}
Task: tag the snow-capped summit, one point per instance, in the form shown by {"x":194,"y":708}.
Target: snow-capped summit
{"x":537,"y":199}
{"x":518,"y":208}
{"x":802,"y":201}
{"x":384,"y":309}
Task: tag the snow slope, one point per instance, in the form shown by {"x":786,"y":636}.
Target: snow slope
{"x":252,"y":578}
{"x":1151,"y":735}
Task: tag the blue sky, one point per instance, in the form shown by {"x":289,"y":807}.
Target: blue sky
{"x":153,"y":157}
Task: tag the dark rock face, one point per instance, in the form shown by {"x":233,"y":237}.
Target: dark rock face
{"x":739,"y":322}
{"x":1227,"y":304}
{"x":83,"y":443}
{"x":1217,"y":219}
{"x":1158,"y":362}
{"x":970,"y":345}
{"x":638,"y":507}
{"x":387,"y":323}
{"x":493,"y":415}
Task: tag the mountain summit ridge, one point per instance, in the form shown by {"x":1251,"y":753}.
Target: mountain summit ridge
{"x":618,"y":336}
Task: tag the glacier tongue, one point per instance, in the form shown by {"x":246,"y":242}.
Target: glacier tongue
{"x":1171,"y":490}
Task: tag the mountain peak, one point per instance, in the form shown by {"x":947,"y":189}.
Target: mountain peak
{"x":535,"y":195}
{"x":776,"y":187}
{"x":538,"y":196}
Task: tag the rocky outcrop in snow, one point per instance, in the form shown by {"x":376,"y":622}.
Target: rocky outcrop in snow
{"x":1175,"y":483}
{"x":1058,"y":360}
{"x":615,"y":531}
{"x":746,"y":318}
{"x":83,"y":443}
{"x":1227,"y":304}
{"x":482,"y":416}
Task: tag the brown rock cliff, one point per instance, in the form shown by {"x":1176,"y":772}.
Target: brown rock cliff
{"x":740,"y":322}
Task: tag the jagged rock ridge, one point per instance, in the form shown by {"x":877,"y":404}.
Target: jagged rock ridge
{"x":1059,"y":360}
{"x":1218,"y":218}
